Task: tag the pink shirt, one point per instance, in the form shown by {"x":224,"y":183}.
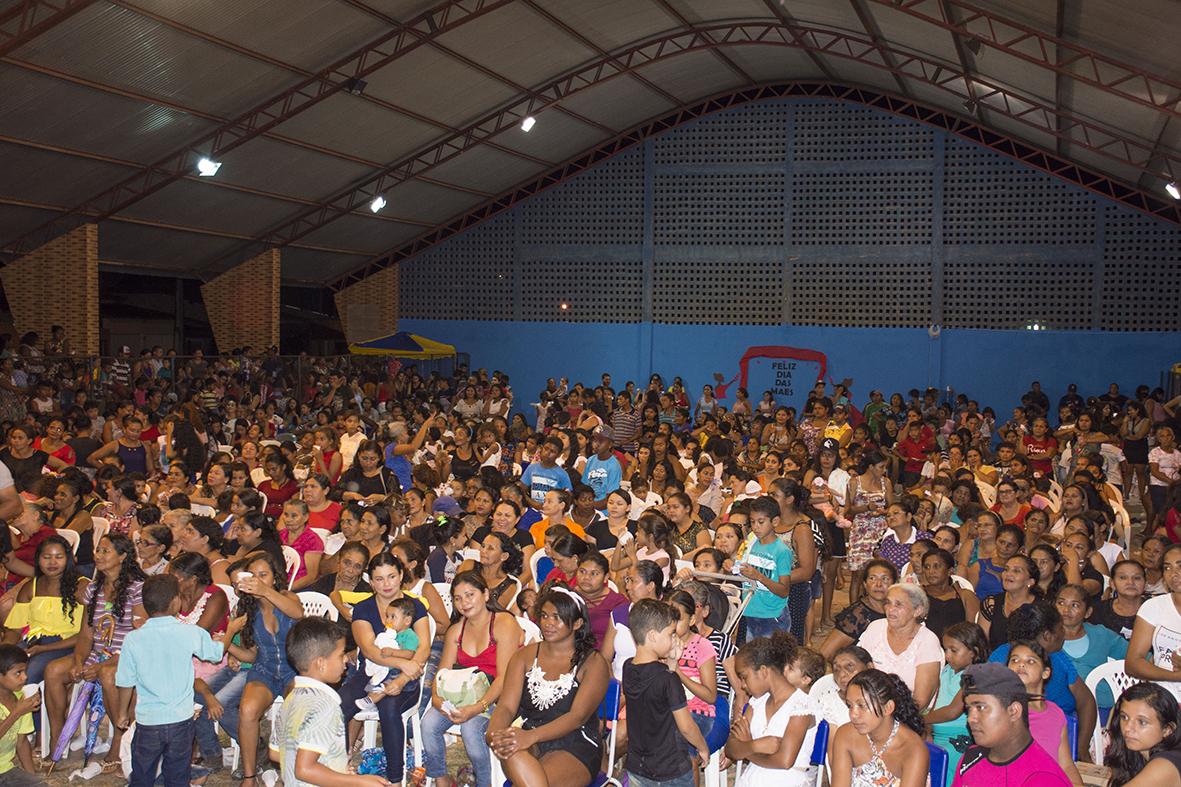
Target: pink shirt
{"x":1031,"y":767}
{"x":307,"y":541}
{"x":695,"y":653}
{"x":1046,"y":727}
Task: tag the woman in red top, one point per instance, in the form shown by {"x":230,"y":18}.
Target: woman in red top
{"x":487,"y":645}
{"x":34,"y":526}
{"x":322,"y":512}
{"x":53,"y":443}
{"x":1011,"y":509}
{"x":1041,"y":447}
{"x":280,"y":487}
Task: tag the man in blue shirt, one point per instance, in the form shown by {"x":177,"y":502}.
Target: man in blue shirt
{"x":603,"y":473}
{"x":157,"y":661}
{"x":544,"y":474}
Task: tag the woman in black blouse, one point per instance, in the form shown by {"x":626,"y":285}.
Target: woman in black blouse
{"x":853,"y":620}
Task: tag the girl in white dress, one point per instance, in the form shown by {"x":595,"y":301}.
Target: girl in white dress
{"x":776,"y":733}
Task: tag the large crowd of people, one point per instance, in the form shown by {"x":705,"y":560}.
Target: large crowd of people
{"x":182,"y":532}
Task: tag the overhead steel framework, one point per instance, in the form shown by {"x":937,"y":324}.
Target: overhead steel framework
{"x":151,"y":178}
{"x":1026,"y":154}
{"x":972,"y":89}
{"x":27,"y":19}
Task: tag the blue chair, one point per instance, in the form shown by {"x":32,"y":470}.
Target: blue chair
{"x":820,"y":748}
{"x":609,"y":712}
{"x":939,"y":765}
{"x":1072,"y":734}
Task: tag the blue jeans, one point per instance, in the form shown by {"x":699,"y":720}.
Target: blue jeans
{"x":171,"y":742}
{"x":684,"y":780}
{"x":227,"y":686}
{"x":37,"y":663}
{"x":434,"y":745}
{"x":389,"y":717}
{"x":765,"y":627}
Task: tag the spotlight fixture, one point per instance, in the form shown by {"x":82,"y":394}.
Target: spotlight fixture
{"x":970,"y":104}
{"x":528,"y":123}
{"x":355,"y":86}
{"x":973,"y":45}
{"x":377,"y":204}
{"x":1173,"y":189}
{"x":207,"y":167}
{"x":565,"y":306}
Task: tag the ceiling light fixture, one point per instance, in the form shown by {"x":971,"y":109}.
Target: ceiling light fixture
{"x":355,"y":86}
{"x":1173,"y":189}
{"x":377,"y":204}
{"x":970,"y":104}
{"x":207,"y":167}
{"x":528,"y":123}
{"x":973,"y":45}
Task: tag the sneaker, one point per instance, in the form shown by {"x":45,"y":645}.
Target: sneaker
{"x":366,"y":705}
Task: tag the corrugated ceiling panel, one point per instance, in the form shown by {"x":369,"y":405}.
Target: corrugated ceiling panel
{"x":693,"y":75}
{"x":906,"y":32}
{"x":114,"y":46}
{"x":706,"y":10}
{"x":48,"y":110}
{"x":862,"y":74}
{"x":271,"y":165}
{"x":361,"y":128}
{"x":1012,"y":73}
{"x":195,"y":204}
{"x":16,"y":221}
{"x":620,"y":103}
{"x":528,"y":49}
{"x":309,"y":34}
{"x":42,"y":176}
{"x":1122,"y":115}
{"x":309,"y":265}
{"x":157,"y":247}
{"x":403,"y":10}
{"x":823,"y":13}
{"x":359,"y":233}
{"x":1035,"y":13}
{"x":1143,"y":33}
{"x":774,"y":63}
{"x":613,"y":24}
{"x":485,"y":169}
{"x":438,"y":86}
{"x":420,"y":201}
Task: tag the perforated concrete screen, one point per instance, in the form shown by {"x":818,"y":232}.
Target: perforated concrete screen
{"x":813,"y":213}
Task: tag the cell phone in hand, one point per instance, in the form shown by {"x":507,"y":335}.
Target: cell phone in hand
{"x":449,"y":706}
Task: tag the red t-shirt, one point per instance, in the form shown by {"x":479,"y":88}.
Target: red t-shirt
{"x":328,"y":519}
{"x":1047,"y":443}
{"x":914,"y":452}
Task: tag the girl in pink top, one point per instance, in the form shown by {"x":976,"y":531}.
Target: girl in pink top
{"x":695,"y":664}
{"x":1047,"y":722}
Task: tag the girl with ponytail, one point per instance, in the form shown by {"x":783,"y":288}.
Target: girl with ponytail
{"x":779,"y":719}
{"x":883,"y":742}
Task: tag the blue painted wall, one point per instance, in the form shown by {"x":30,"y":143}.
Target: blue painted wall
{"x":819,"y":225}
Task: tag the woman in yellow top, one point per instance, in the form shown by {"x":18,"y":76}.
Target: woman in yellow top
{"x":47,"y":615}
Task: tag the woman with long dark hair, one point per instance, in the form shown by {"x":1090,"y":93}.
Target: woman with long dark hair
{"x":883,"y":741}
{"x":1145,"y":747}
{"x":387,"y":576}
{"x":47,"y":615}
{"x":113,"y":603}
{"x":801,"y":531}
{"x":266,"y":612}
{"x":553,"y":684}
{"x":488,"y":645}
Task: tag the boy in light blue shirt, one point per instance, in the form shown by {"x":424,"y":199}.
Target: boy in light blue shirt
{"x":157,"y":661}
{"x":767,"y":561}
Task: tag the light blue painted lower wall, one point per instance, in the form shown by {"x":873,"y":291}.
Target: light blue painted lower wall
{"x":994,"y":367}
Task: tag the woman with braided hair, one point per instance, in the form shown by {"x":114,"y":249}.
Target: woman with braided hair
{"x":882,"y":745}
{"x":113,"y":605}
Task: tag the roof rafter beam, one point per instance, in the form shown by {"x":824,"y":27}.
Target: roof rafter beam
{"x":672,"y":11}
{"x":781,"y":13}
{"x":897,"y":105}
{"x":28,"y":19}
{"x":1048,"y":50}
{"x":1028,"y":111}
{"x":267,"y":115}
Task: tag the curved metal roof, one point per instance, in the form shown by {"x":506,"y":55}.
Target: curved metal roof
{"x":315,"y":106}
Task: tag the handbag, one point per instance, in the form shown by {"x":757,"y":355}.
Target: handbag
{"x":460,"y":687}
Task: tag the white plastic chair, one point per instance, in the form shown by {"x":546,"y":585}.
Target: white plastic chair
{"x":322,"y":533}
{"x":962,"y":582}
{"x":200,"y":509}
{"x":317,"y":605}
{"x":231,"y":597}
{"x":534,"y":559}
{"x":102,"y":526}
{"x":987,"y":493}
{"x":332,"y":543}
{"x":444,"y":590}
{"x":291,"y":557}
{"x":532,"y":632}
{"x":1112,"y":673}
{"x":72,"y":538}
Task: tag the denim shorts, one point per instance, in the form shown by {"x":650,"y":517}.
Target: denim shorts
{"x":684,"y":780}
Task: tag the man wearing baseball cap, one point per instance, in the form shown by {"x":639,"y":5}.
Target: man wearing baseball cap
{"x":1005,"y":754}
{"x":603,"y":473}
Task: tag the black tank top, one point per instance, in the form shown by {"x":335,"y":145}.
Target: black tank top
{"x":945,"y":613}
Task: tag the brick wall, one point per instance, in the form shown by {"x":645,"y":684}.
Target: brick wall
{"x":57,"y":284}
{"x":243,"y":304}
{"x":369,"y":308}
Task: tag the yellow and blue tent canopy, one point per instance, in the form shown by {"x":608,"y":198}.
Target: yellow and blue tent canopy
{"x":404,"y":345}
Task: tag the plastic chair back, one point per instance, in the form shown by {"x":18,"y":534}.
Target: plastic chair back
{"x":1112,"y":673}
{"x":444,"y":590}
{"x":939,"y":765}
{"x":1072,"y":734}
{"x":291,"y":557}
{"x":317,"y":605}
{"x":72,"y":538}
{"x":820,"y":747}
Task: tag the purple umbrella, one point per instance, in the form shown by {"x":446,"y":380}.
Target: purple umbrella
{"x":74,"y":719}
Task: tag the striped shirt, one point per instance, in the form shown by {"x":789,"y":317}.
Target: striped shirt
{"x":310,"y":719}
